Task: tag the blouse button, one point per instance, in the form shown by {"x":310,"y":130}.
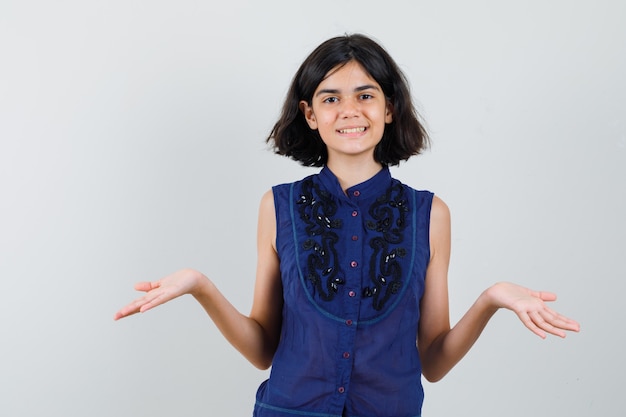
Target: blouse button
{"x":356,"y":193}
{"x":348,"y":322}
{"x":346,"y":355}
{"x":341,"y":390}
{"x":355,"y":237}
{"x":355,"y":213}
{"x":351,"y":293}
{"x":354,"y":264}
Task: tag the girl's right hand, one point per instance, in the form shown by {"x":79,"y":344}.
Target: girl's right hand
{"x":185,"y":281}
{"x":531,"y":308}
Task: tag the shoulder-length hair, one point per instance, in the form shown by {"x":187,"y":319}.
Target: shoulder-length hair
{"x":404,"y":137}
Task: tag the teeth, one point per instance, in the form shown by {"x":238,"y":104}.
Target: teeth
{"x":353,"y":130}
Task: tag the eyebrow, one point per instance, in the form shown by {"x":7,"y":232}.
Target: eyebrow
{"x":356,"y":90}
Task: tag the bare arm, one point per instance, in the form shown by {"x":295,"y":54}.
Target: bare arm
{"x":442,"y":347}
{"x":255,"y":336}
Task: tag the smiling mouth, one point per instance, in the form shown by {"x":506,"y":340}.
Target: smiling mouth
{"x":352,"y":130}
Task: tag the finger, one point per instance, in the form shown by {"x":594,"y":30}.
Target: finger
{"x":545,"y":320}
{"x":139,"y":305}
{"x":569,"y":324}
{"x":544,"y":295}
{"x":560,"y":321}
{"x":572,"y":325}
{"x":156,"y":300}
{"x":125,"y":312}
{"x":120,"y":315}
{"x":528,"y":321}
{"x":146,"y":286}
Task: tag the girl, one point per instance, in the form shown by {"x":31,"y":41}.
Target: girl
{"x":351,"y":298}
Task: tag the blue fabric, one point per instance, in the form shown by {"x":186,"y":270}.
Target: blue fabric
{"x":352,"y":267}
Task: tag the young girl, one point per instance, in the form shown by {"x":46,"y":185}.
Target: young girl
{"x":351,"y":296}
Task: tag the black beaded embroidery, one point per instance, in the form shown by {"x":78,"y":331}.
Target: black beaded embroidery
{"x":316,"y":208}
{"x":389,"y":219}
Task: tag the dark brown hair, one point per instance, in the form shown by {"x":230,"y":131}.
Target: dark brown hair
{"x":404,"y":137}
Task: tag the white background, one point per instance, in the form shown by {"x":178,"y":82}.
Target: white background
{"x":132,"y":145}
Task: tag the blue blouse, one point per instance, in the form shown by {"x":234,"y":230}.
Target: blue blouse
{"x":352,"y":267}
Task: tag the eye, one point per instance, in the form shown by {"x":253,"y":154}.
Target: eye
{"x":366,"y":96}
{"x":330,"y":100}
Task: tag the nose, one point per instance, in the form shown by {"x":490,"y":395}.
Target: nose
{"x":349,"y":108}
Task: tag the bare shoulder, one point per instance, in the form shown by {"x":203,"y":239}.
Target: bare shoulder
{"x":267,"y":219}
{"x":439,"y":210}
{"x":439,"y":228}
{"x":267,"y":199}
{"x":439,"y":217}
{"x":266,"y":207}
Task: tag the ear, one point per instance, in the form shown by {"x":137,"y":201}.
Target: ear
{"x":307,"y":111}
{"x":389,"y":113}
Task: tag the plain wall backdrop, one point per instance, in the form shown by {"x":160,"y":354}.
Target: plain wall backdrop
{"x":132,"y":145}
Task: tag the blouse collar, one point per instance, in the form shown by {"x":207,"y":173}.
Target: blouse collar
{"x":373,"y":187}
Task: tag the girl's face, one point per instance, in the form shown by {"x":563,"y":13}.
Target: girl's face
{"x":349,"y":110}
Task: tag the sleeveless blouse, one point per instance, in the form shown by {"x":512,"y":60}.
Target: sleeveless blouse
{"x":352,"y":267}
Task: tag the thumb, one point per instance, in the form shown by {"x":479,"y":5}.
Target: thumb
{"x":544,"y":295}
{"x":146,"y":286}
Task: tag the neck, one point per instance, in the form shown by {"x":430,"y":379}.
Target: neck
{"x":353,"y":172}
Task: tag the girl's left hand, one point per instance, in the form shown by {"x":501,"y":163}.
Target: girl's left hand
{"x":185,"y":281}
{"x":530,"y":306}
